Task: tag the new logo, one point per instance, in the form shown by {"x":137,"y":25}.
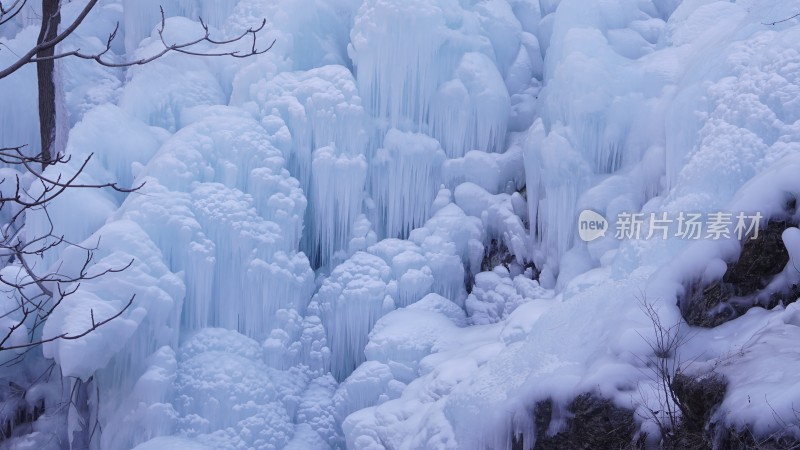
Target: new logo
{"x":591,"y":225}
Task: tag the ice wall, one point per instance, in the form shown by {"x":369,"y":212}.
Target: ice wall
{"x":417,"y":81}
{"x":394,"y":274}
{"x":646,"y":106}
{"x":22,"y":126}
{"x":323,"y":114}
{"x":335,"y":241}
{"x":216,"y":162}
{"x":249,"y":166}
{"x":85,"y":84}
{"x":192,"y":85}
{"x":117,"y":353}
{"x":602,"y":110}
{"x":405,"y":178}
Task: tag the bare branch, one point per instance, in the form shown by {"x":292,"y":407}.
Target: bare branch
{"x":7,"y":13}
{"x":184,"y":48}
{"x":31,"y":274}
{"x":51,"y":188}
{"x":781,"y":21}
{"x":28,"y":57}
{"x":34,"y":308}
{"x":67,"y":336}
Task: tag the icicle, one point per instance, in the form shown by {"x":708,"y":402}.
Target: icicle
{"x":279,"y":198}
{"x":557,"y":175}
{"x":168,"y":219}
{"x":398,"y":72}
{"x":119,"y":353}
{"x":451,"y":242}
{"x":471,"y":111}
{"x":405,"y":179}
{"x":336,"y":197}
{"x":320,"y":107}
{"x":250,"y":255}
{"x":351,"y":301}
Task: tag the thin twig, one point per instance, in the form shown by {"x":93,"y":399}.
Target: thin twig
{"x":781,"y":21}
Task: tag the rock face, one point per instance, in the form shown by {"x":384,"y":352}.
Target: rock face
{"x":745,"y":440}
{"x":594,"y":423}
{"x":742,"y":286}
{"x":699,"y":398}
{"x":761,"y":259}
{"x":496,"y":254}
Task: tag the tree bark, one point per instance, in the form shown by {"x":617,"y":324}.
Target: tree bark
{"x":45,"y":72}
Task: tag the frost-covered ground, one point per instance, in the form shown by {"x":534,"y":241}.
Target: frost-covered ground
{"x":367,"y":237}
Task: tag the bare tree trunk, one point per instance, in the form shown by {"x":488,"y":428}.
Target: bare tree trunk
{"x":45,"y":71}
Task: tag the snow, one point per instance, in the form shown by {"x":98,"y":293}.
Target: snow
{"x":158,"y":294}
{"x":182,"y":81}
{"x":366,"y":237}
{"x":497,"y":294}
{"x":423,"y":347}
{"x":791,"y":239}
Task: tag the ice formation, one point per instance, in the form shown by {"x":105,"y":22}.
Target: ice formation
{"x":449,"y":67}
{"x":322,"y":113}
{"x":366,"y":237}
{"x":405,"y":176}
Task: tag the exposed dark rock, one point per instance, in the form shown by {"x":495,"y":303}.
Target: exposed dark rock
{"x":761,"y":259}
{"x":744,"y":439}
{"x":742,"y":286}
{"x":496,"y":254}
{"x":709,"y":307}
{"x":699,"y":397}
{"x":594,"y":423}
{"x":789,"y":295}
{"x":469,"y":281}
